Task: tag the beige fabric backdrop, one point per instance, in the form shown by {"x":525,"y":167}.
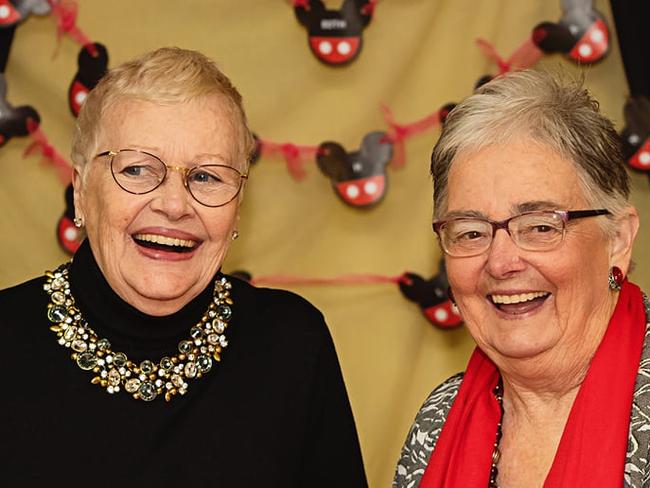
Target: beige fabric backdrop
{"x":418,"y":55}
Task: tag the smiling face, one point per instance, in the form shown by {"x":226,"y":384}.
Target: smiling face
{"x":524,"y":304}
{"x":161,"y":249}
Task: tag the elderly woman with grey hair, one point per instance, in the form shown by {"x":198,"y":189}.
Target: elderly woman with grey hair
{"x":141,"y":364}
{"x":532,"y":214}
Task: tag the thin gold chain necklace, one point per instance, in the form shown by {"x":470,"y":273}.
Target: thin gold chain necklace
{"x":168,"y":377}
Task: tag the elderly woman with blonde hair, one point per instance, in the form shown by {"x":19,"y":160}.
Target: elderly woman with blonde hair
{"x":140,"y":363}
{"x":532,"y":214}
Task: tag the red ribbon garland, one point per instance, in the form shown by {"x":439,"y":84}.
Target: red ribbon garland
{"x":525,"y":56}
{"x":65,"y":12}
{"x":294,"y":155}
{"x":41,"y":142}
{"x":398,"y":133}
{"x":349,"y":279}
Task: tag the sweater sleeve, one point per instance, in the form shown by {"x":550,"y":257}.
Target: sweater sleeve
{"x":332,"y":456}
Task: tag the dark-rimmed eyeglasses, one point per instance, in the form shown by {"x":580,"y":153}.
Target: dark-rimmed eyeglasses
{"x":139,"y":172}
{"x":531,"y":231}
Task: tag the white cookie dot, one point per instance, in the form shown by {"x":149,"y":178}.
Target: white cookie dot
{"x":352,"y":191}
{"x":644,"y":158}
{"x":370,"y":188}
{"x":597,"y":35}
{"x":80,"y":97}
{"x":441,"y":315}
{"x":585,"y":50}
{"x":325,"y":47}
{"x":4,"y":12}
{"x":344,"y":48}
{"x":70,"y":234}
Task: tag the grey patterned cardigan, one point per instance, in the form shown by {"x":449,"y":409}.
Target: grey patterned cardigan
{"x":428,"y":424}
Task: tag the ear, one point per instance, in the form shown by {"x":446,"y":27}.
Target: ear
{"x":77,"y":184}
{"x":622,"y":242}
{"x":332,"y":160}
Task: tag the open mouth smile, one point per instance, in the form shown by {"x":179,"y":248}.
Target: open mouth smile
{"x":164,"y":243}
{"x":518,"y":303}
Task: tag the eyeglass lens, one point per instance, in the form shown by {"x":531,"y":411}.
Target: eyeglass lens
{"x":534,"y":231}
{"x":139,"y":173}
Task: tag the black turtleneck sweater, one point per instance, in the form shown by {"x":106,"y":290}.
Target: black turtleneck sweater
{"x":273,"y":413}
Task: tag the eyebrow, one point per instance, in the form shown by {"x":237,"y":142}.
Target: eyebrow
{"x":531,"y":206}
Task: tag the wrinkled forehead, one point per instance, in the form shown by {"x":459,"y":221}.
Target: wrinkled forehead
{"x":498,"y":178}
{"x":198,"y":124}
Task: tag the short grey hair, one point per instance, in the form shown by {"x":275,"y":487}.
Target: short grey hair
{"x":560,"y":115}
{"x":167,"y":76}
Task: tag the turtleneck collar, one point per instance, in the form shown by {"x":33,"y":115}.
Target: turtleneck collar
{"x":128,"y":329}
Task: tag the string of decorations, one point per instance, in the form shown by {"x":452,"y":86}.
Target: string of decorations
{"x":431,"y":295}
{"x":358,"y":176}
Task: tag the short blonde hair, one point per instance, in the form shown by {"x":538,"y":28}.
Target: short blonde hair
{"x":558,"y":115}
{"x":167,"y":76}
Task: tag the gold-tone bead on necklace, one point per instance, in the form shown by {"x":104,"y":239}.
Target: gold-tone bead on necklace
{"x":114,"y":371}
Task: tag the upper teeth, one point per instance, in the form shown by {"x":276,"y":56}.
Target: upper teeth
{"x":522,"y":297}
{"x":167,"y":241}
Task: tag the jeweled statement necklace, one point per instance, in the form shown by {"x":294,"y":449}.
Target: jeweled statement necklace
{"x":114,"y":371}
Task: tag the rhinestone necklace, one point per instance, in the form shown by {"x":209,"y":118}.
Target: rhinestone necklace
{"x":496,"y":453}
{"x":113,"y":370}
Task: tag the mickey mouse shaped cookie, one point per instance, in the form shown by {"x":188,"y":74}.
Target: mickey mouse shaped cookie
{"x":14,"y":121}
{"x":334,"y":35}
{"x":431,"y":295}
{"x":581,"y":33}
{"x":635,"y":135}
{"x":92,"y":62}
{"x":358,"y":177}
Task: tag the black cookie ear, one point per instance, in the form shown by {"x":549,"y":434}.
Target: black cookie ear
{"x":92,"y":64}
{"x":332,"y":159}
{"x":444,"y":112}
{"x":14,"y":122}
{"x":553,"y":38}
{"x":482,"y":81}
{"x":358,"y":10}
{"x":376,"y":148}
{"x":411,"y":286}
{"x":308,"y":15}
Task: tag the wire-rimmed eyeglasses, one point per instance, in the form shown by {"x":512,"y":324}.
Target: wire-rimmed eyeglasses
{"x":542,"y":230}
{"x":139,"y":172}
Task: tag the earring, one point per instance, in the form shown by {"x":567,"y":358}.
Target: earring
{"x":450,"y":294}
{"x":615,"y":278}
{"x":78,"y":222}
{"x":234,"y":235}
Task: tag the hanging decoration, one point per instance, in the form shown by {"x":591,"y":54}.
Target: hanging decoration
{"x":358,"y":177}
{"x":433,"y":298}
{"x":581,"y":34}
{"x":635,"y":136}
{"x":92,"y":63}
{"x":526,"y":55}
{"x":335,"y":36}
{"x":14,"y":121}
{"x":431,"y":294}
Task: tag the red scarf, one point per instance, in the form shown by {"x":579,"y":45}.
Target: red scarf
{"x":594,"y":442}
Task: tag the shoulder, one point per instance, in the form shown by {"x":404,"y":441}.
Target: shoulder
{"x":278,"y":314}
{"x":23,"y":292}
{"x":425,"y":431}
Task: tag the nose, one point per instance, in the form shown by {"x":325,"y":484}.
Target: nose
{"x":172,"y":198}
{"x":504,"y":257}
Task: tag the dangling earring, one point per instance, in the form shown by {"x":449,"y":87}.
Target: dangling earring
{"x":78,"y":222}
{"x":615,"y":278}
{"x":234,"y":235}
